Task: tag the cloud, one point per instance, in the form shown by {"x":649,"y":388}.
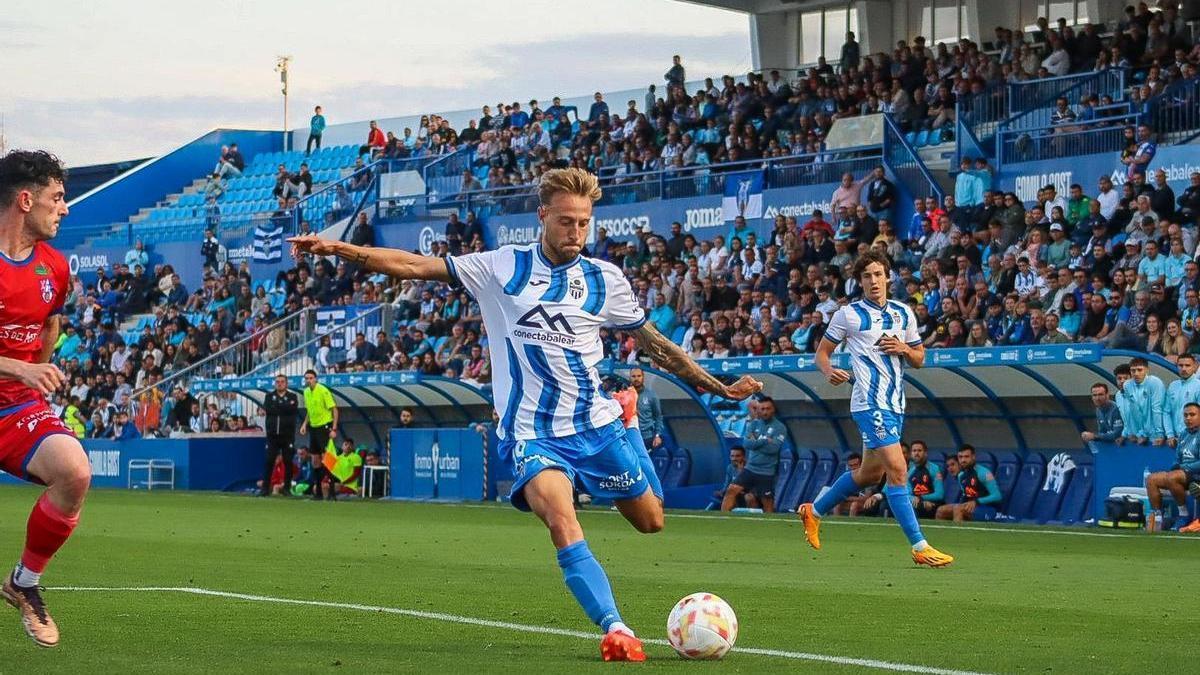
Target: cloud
{"x":111,"y":128}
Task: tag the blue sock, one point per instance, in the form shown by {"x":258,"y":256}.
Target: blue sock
{"x":837,"y":493}
{"x":635,"y":439}
{"x":902,"y":508}
{"x":588,"y":584}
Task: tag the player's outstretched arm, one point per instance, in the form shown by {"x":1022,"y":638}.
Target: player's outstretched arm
{"x":671,"y":358}
{"x":389,"y":261}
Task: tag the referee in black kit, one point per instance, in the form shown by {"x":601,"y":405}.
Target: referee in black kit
{"x":281,"y":406}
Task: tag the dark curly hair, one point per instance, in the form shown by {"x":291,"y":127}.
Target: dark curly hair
{"x":869,"y":257}
{"x":27,"y":170}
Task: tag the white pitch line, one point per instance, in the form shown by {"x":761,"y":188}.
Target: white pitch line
{"x":875,"y":522}
{"x":505,"y":625}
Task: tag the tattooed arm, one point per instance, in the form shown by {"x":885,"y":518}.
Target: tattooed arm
{"x":671,"y":358}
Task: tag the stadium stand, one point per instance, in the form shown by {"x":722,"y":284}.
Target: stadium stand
{"x":981,"y":267}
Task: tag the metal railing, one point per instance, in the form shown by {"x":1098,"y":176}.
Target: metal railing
{"x":1175,"y":113}
{"x":1031,"y":103}
{"x":1028,"y":104}
{"x":1062,"y":141}
{"x":444,"y":175}
{"x":303,"y":355}
{"x":982,"y":112}
{"x":337,"y":199}
{"x":240,"y":358}
{"x":906,"y":164}
{"x":965,"y":143}
{"x":1051,"y":142}
{"x":689,"y":181}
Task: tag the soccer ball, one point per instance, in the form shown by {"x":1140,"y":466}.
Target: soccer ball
{"x":702,"y":626}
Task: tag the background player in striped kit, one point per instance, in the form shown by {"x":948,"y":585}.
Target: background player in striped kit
{"x":881,"y":336}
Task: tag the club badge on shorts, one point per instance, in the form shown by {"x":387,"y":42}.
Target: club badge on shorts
{"x":47,"y":290}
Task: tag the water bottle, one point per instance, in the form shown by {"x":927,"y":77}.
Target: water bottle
{"x":1145,"y":475}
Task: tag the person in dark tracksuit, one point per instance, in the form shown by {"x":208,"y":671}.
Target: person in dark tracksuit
{"x":281,"y":407}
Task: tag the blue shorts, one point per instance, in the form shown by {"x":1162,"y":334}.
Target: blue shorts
{"x":879,"y":428}
{"x":605,"y":462}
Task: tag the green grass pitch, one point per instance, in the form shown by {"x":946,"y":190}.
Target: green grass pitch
{"x":1016,"y":600}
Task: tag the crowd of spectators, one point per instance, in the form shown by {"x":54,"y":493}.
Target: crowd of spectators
{"x":1115,"y":265}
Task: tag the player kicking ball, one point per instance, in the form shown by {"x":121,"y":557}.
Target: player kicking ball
{"x":543,"y":305}
{"x":881,"y":336}
{"x":34,"y":443}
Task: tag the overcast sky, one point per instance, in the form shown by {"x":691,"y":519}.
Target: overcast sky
{"x":105,"y":80}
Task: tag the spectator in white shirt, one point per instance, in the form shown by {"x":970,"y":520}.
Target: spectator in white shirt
{"x":1108,"y":197}
{"x":1059,"y":61}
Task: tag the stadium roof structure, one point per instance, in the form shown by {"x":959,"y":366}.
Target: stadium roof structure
{"x":1031,"y":397}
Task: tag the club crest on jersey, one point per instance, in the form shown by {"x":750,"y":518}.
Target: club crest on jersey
{"x":576,"y":288}
{"x":47,"y":290}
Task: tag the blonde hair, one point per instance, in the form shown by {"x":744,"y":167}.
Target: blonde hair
{"x":571,"y":181}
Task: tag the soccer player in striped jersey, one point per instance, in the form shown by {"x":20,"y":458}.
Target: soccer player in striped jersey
{"x":881,"y":336}
{"x":543,"y":305}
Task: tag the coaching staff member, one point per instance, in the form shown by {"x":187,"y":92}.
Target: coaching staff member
{"x":320,"y":421}
{"x":281,"y":407}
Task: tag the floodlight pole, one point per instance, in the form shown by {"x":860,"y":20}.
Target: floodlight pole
{"x":281,"y":67}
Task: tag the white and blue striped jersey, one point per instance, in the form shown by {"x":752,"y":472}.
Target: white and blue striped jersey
{"x":543,"y":323}
{"x":878,"y":378}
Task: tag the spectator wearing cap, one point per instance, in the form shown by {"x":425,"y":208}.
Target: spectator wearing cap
{"x":1132,"y":257}
{"x":1058,"y":251}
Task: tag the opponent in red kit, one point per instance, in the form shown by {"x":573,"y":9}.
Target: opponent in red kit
{"x":34,"y":443}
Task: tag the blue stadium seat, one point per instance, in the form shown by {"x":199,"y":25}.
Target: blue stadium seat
{"x":1029,"y":482}
{"x":1007,"y":470}
{"x":986,"y":458}
{"x":1078,"y":496}
{"x":824,"y":472}
{"x":801,"y":475}
{"x":662,"y":460}
{"x":787,"y":463}
{"x":679,"y":470}
{"x":922,"y":139}
{"x":677,"y":334}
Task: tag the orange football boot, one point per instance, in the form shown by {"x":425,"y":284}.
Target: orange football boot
{"x":812,"y":525}
{"x":621,"y":646}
